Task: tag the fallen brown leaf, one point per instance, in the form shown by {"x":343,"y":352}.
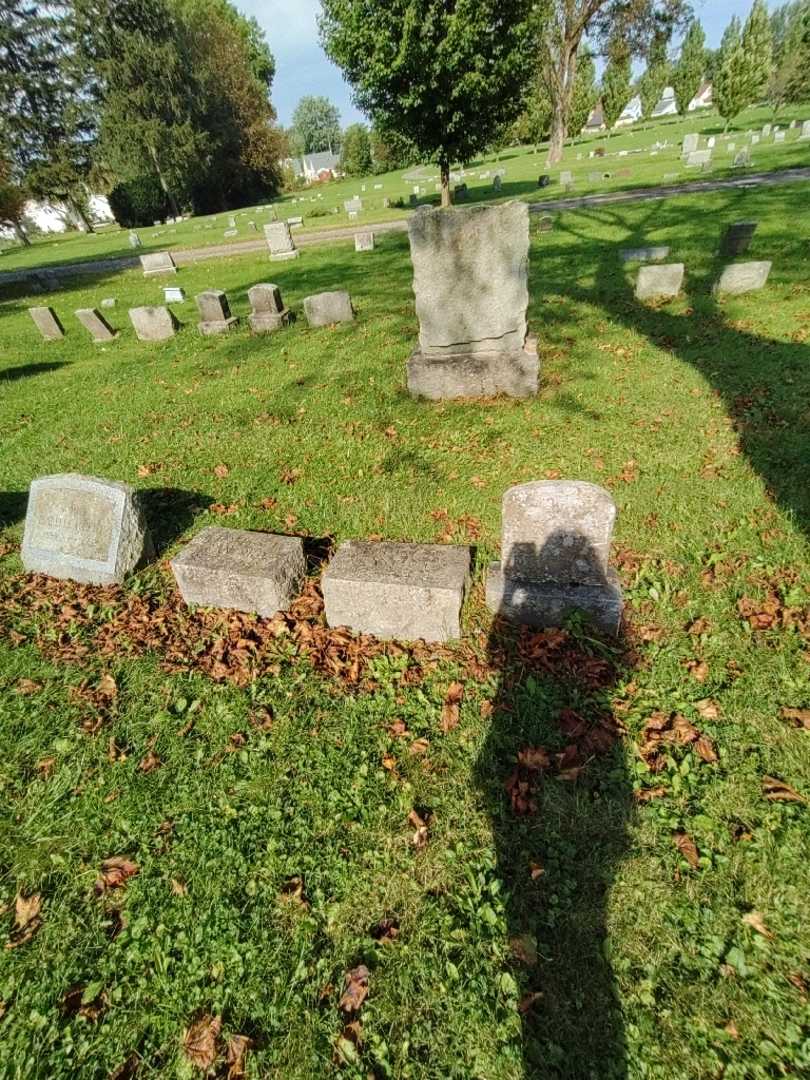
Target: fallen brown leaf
{"x":238,"y":1046}
{"x":450,"y":708}
{"x":799,"y":717}
{"x":420,"y":837}
{"x":356,"y":989}
{"x":115,"y":872}
{"x":643,"y":795}
{"x":221,"y":471}
{"x":756,"y":921}
{"x":27,"y":919}
{"x":150,"y":762}
{"x":107,"y":686}
{"x":686,"y":845}
{"x":200,"y":1042}
{"x":705,"y":747}
{"x":776,"y":790}
{"x":27,"y":686}
{"x":708,"y":709}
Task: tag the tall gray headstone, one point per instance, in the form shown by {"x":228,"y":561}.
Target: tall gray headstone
{"x":47,"y":323}
{"x":215,"y":312}
{"x":84,"y":528}
{"x":134,"y":240}
{"x":280,"y":241}
{"x":738,"y":278}
{"x":327,"y":308}
{"x":267,"y":310}
{"x":153,"y":323}
{"x":471,"y":287}
{"x":690,"y":143}
{"x":805,"y":134}
{"x":95,"y":322}
{"x":554,"y":556}
{"x":364,"y":241}
{"x":157,"y":262}
{"x":659,"y":282}
{"x":737,"y":238}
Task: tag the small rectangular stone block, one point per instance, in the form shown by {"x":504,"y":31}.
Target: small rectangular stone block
{"x":295,"y":222}
{"x":698,"y":158}
{"x":737,"y":238}
{"x":153,"y":323}
{"x":47,"y":323}
{"x":474,"y":375}
{"x":659,"y":282}
{"x":95,"y":322}
{"x":267,"y":309}
{"x":690,"y":143}
{"x":215,"y":312}
{"x":391,"y":590}
{"x":157,"y":262}
{"x":743,"y":277}
{"x":644,"y":254}
{"x":173,"y":294}
{"x":805,"y":130}
{"x":364,"y":241}
{"x":324,"y":309}
{"x":245,"y":571}
{"x":84,"y":529}
{"x":547,"y":604}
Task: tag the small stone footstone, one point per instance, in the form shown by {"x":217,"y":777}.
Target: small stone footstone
{"x":157,"y":262}
{"x":554,"y":556}
{"x":644,"y":254}
{"x":98,"y":326}
{"x":327,"y":308}
{"x":737,"y":238}
{"x":267,"y":309}
{"x":690,"y":143}
{"x":805,"y":130}
{"x":215,"y":312}
{"x":743,"y":278}
{"x":391,"y":590}
{"x":279,"y":240}
{"x":85,"y":529}
{"x":698,"y":158}
{"x":470,"y":280}
{"x":47,"y":323}
{"x":659,"y":282}
{"x":108,"y":302}
{"x":245,"y":571}
{"x":364,"y":241}
{"x":153,"y":323}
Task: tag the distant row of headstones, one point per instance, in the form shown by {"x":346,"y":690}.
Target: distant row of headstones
{"x":554,"y":561}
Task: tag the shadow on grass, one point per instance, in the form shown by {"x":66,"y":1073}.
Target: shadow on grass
{"x":24,"y":371}
{"x":12,"y":507}
{"x":560,"y":800}
{"x":170,"y":512}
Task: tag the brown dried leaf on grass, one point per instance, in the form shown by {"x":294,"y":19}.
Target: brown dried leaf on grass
{"x":799,"y":717}
{"x":420,"y":824}
{"x":451,"y":706}
{"x":238,"y":1046}
{"x":355,"y":990}
{"x":756,"y":921}
{"x":200,"y":1042}
{"x":686,"y":845}
{"x":27,"y":919}
{"x":27,"y":686}
{"x":115,"y":873}
{"x":776,"y":790}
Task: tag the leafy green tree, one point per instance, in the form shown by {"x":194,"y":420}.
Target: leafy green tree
{"x":585,"y":95}
{"x":447,"y":77}
{"x":790,"y":77}
{"x":534,"y":122}
{"x":729,"y":87}
{"x":316,"y":123}
{"x":390,"y":151}
{"x":687,"y":74}
{"x":616,"y":88}
{"x":655,"y":79}
{"x":757,"y":48}
{"x":355,"y":154}
{"x":13,"y":198}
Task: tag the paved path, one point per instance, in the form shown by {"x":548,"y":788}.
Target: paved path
{"x":187,"y":256}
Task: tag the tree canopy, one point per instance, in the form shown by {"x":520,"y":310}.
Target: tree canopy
{"x":687,"y":74}
{"x":316,"y":123}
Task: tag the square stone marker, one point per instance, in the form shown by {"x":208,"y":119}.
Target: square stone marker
{"x":246,"y":571}
{"x":805,"y":130}
{"x":364,"y":241}
{"x":215,"y":312}
{"x":737,"y":238}
{"x":390,"y":590}
{"x":324,"y":309}
{"x":267,"y":309}
{"x":157,"y":262}
{"x":644,"y":254}
{"x":153,"y":323}
{"x":698,"y":158}
{"x":98,"y":326}
{"x":47,"y":323}
{"x":84,"y":528}
{"x":743,"y":277}
{"x":659,"y":282}
{"x":690,"y":143}
{"x":280,"y":241}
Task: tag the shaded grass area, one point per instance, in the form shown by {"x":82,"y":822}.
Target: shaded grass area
{"x":273,"y":841}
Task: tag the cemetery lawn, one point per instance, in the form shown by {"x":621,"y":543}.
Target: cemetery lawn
{"x":291,"y":804}
{"x":627,"y":165}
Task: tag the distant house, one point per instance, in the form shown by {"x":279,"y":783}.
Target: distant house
{"x":668,"y":107}
{"x":632,"y":112}
{"x":46,"y":217}
{"x":596,"y":121}
{"x":702,"y":99}
{"x":315,"y":167}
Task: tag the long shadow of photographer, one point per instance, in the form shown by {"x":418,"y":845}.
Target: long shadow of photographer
{"x":553,"y":776}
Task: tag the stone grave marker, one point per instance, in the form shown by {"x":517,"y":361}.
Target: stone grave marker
{"x":403,"y":591}
{"x":173,"y":294}
{"x":386,"y":202}
{"x":566,"y":178}
{"x":744,"y":277}
{"x":327,"y":308}
{"x":215,"y":312}
{"x":84,"y":529}
{"x":47,"y":323}
{"x":644,"y":254}
{"x":153,"y":323}
{"x":754,"y":139}
{"x":471,"y":287}
{"x":354,"y":204}
{"x":240,"y":570}
{"x":742,"y":160}
{"x":295,"y":222}
{"x":659,"y":282}
{"x":545,"y":224}
{"x":737,"y":238}
{"x":108,"y":302}
{"x":779,"y":136}
{"x":497,"y":183}
{"x":766,"y":130}
{"x":231,"y":222}
{"x":364,"y":241}
{"x":805,"y":133}
{"x":698,"y":159}
{"x":230,"y":232}
{"x":94,"y":321}
{"x":554,"y":556}
{"x":280,"y":241}
{"x":267,"y":310}
{"x":690,"y":143}
{"x":460,"y":193}
{"x":134,"y":240}
{"x":157,"y":262}
{"x":711,"y":142}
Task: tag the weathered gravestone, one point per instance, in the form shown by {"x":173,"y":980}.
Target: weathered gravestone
{"x":280,"y":241}
{"x":153,"y":323}
{"x":659,"y":282}
{"x":364,"y":241}
{"x":742,"y":160}
{"x":267,"y":309}
{"x":554,"y":556}
{"x":644,"y":254}
{"x":754,"y":140}
{"x":471,"y":286}
{"x":805,"y":130}
{"x":743,"y":277}
{"x":47,"y":323}
{"x":779,"y":136}
{"x":173,"y":294}
{"x":497,"y":183}
{"x":157,"y":262}
{"x":230,"y":232}
{"x":699,"y":159}
{"x":766,"y":130}
{"x":85,"y":529}
{"x":295,"y":222}
{"x":737,"y":238}
{"x":109,"y":302}
{"x":327,"y":308}
{"x":245,"y":571}
{"x":353,"y":205}
{"x":134,"y":240}
{"x":98,"y":326}
{"x":690,"y":143}
{"x":215,"y":312}
{"x":405,"y":591}
{"x":460,"y":193}
{"x":566,"y":178}
{"x":545,"y":224}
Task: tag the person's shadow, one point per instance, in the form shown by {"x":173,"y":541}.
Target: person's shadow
{"x":553,"y":776}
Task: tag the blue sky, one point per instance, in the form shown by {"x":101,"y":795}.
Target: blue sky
{"x":302,"y":68}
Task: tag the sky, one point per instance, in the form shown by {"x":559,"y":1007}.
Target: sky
{"x":302,"y":68}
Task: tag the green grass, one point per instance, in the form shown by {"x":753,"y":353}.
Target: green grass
{"x":694,"y":414}
{"x":322,"y":207}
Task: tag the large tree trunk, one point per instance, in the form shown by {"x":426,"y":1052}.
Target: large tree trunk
{"x":162,"y":180}
{"x":444,"y":168}
{"x":562,"y":89}
{"x":77,"y":209}
{"x":21,"y":234}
